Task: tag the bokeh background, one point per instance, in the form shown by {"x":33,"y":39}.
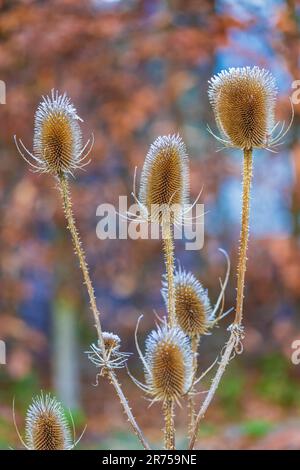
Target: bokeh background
{"x":135,"y":70}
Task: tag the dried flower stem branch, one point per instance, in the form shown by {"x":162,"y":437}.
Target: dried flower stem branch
{"x":168,"y":247}
{"x":191,"y":399}
{"x":243,"y":245}
{"x":169,"y":431}
{"x":236,"y":329}
{"x":127,"y":410}
{"x":67,"y":203}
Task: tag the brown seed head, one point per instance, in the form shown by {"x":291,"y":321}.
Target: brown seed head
{"x":57,"y":142}
{"x":46,"y":425}
{"x":169,"y":363}
{"x":164,"y":179}
{"x":193,"y":308}
{"x":243,"y":101}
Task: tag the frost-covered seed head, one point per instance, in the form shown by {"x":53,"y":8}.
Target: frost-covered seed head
{"x":243,"y":100}
{"x":57,"y":143}
{"x":165,"y":179}
{"x":46,"y":425}
{"x":111,"y":341}
{"x":193,"y":309}
{"x":169,"y":362}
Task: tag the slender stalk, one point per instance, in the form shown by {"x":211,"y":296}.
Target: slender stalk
{"x":191,"y":398}
{"x":169,"y":431}
{"x":233,"y":343}
{"x":67,"y":204}
{"x":168,"y":248}
{"x":127,"y":410}
{"x":244,"y":235}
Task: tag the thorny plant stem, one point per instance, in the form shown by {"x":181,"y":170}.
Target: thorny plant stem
{"x":191,"y":398}
{"x":168,"y":248}
{"x":127,"y":410}
{"x":244,"y":235}
{"x":169,"y":431}
{"x":234,"y":339}
{"x":67,"y":204}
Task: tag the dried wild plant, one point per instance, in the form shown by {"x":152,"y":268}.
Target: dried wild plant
{"x":58,"y":150}
{"x":47,"y":427}
{"x":243,"y":102}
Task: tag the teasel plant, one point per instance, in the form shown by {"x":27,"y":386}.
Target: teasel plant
{"x":243,"y":102}
{"x":163,"y":199}
{"x":47,"y":426}
{"x":196,"y":317}
{"x":168,"y":367}
{"x":58,"y":150}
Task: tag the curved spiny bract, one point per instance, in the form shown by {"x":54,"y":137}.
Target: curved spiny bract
{"x":165,"y":179}
{"x":46,"y":425}
{"x":169,"y":362}
{"x":243,"y":100}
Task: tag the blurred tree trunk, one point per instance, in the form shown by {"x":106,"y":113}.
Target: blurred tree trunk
{"x":65,"y":353}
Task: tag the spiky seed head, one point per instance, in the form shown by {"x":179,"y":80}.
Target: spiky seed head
{"x":57,"y":143}
{"x":193,"y":308}
{"x":113,"y":357}
{"x":165,"y":179}
{"x":111,"y":341}
{"x":243,"y":101}
{"x":169,"y":362}
{"x":46,"y":425}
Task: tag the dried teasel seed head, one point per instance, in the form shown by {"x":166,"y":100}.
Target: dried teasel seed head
{"x":165,"y":179}
{"x":46,"y":425}
{"x":57,"y":144}
{"x":193,"y":308}
{"x":169,"y":362}
{"x":243,"y":101}
{"x":111,"y":341}
{"x":113,"y":358}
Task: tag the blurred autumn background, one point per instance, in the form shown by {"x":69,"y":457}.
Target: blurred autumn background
{"x":135,"y":70}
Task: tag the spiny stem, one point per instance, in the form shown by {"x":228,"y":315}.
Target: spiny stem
{"x":168,"y":248}
{"x":244,"y":235}
{"x":213,"y":388}
{"x":169,"y":431}
{"x":127,"y":410}
{"x":234,"y":339}
{"x":191,"y":399}
{"x":67,"y":204}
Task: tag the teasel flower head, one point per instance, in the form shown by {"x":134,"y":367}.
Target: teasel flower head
{"x":164,"y":186}
{"x":46,"y":425}
{"x":243,"y":101}
{"x":57,"y":143}
{"x":193,"y":310}
{"x":113,"y":357}
{"x":168,"y":363}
